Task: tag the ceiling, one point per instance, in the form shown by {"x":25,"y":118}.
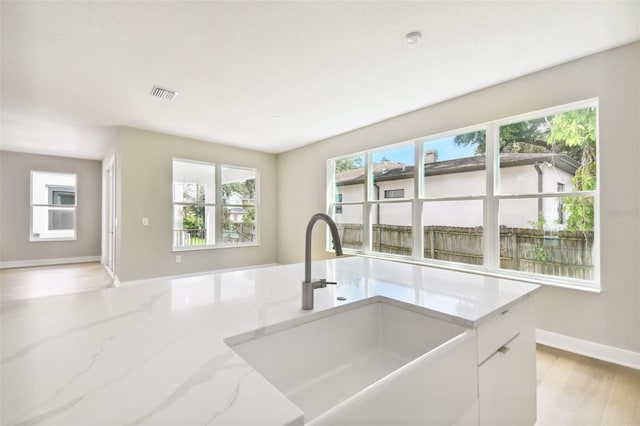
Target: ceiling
{"x":267,"y":75}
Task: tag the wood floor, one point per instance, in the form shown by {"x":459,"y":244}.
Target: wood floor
{"x":573,"y":390}
{"x":26,"y":283}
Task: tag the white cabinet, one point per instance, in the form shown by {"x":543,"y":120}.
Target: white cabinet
{"x":507,"y":367}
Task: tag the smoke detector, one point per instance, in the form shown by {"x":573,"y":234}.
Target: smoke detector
{"x":413,"y":37}
{"x":162,"y":93}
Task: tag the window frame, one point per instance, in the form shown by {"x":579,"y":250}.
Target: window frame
{"x":218,"y":205}
{"x":50,"y":205}
{"x":491,"y":200}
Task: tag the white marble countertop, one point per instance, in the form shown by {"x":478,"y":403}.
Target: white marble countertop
{"x":153,"y":353}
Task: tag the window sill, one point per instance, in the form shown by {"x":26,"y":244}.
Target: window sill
{"x":46,"y":240}
{"x":214,"y":247}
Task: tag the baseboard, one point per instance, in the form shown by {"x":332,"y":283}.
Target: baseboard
{"x":591,"y":349}
{"x":48,"y":262}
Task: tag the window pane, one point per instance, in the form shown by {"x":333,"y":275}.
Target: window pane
{"x":534,"y":238}
{"x":193,"y":182}
{"x":238,"y":224}
{"x":54,"y":189}
{"x":455,"y":165}
{"x":391,"y":228}
{"x":53,"y":222}
{"x":453,"y":231}
{"x":238,"y":186}
{"x":393,"y":170}
{"x":349,"y":222}
{"x":349,"y":179}
{"x":193,"y":225}
{"x":556,"y":153}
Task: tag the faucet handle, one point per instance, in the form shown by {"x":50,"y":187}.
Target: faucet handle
{"x":331,"y":282}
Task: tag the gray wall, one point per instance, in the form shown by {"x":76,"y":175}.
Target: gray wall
{"x":15,"y":208}
{"x":144,"y":175}
{"x":610,"y":317}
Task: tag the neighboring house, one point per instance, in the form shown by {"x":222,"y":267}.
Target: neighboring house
{"x":236,"y":213}
{"x":519,"y":173}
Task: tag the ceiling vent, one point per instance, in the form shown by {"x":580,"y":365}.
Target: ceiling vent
{"x":160,"y":93}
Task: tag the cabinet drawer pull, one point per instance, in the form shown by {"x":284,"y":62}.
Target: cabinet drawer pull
{"x":504,"y":349}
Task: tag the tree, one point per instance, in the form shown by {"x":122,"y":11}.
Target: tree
{"x":573,"y":133}
{"x":577,"y":129}
{"x":348,"y":164}
{"x":193,"y":214}
{"x":529,"y":136}
{"x":250,"y":215}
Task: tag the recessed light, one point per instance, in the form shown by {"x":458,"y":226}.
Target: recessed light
{"x":413,"y":37}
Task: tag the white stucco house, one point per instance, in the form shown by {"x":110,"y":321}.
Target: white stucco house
{"x":520,"y":173}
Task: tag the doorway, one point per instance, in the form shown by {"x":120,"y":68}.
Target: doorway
{"x":109,"y":217}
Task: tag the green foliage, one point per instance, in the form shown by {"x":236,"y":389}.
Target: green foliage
{"x":193,"y":215}
{"x":538,"y":224}
{"x":531,"y":136}
{"x":574,"y":128}
{"x":581,"y":213}
{"x":348,"y":164}
{"x":250,"y":215}
{"x":572,"y":132}
{"x":578,"y":129}
{"x":540,"y":254}
{"x":246,"y":189}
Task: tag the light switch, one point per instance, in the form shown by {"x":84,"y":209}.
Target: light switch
{"x":145,"y":221}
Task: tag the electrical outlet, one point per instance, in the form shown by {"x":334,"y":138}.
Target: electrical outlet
{"x":145,"y":221}
{"x":178,"y":259}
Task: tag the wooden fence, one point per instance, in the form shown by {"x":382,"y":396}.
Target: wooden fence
{"x":563,"y":253}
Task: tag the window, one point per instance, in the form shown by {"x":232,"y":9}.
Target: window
{"x":560,"y":206}
{"x":348,"y":199}
{"x":53,"y":206}
{"x":394,"y":193}
{"x":516,"y":196}
{"x":213,"y":205}
{"x":338,"y":208}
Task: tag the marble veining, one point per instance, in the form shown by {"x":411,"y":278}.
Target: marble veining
{"x":153,"y":352}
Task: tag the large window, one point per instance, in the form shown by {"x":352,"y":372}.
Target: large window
{"x":515,"y":197}
{"x":53,"y":206}
{"x":213,"y":205}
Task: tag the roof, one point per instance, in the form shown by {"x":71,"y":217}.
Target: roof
{"x":394,"y":171}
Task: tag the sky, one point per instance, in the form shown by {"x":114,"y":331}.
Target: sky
{"x":447,"y":150}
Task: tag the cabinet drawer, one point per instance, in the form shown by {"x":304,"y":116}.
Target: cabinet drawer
{"x":507,"y":386}
{"x":503,"y":327}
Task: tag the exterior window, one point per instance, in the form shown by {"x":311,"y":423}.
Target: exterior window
{"x":560,"y":206}
{"x":533,"y":199}
{"x":391,"y":220}
{"x":347,"y":199}
{"x":238,"y":205}
{"x":53,"y":206}
{"x":338,"y":208}
{"x":454,"y":185}
{"x":213,"y":205}
{"x":394,"y":193}
{"x":516,"y":196}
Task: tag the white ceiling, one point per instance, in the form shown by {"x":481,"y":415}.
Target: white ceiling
{"x":269,"y":75}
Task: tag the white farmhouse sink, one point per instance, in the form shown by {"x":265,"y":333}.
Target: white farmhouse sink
{"x":377,"y":361}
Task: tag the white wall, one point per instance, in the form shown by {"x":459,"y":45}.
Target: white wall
{"x":144,"y":174}
{"x":609,"y":318}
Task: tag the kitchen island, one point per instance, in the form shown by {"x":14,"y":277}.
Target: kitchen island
{"x":154,"y":352}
